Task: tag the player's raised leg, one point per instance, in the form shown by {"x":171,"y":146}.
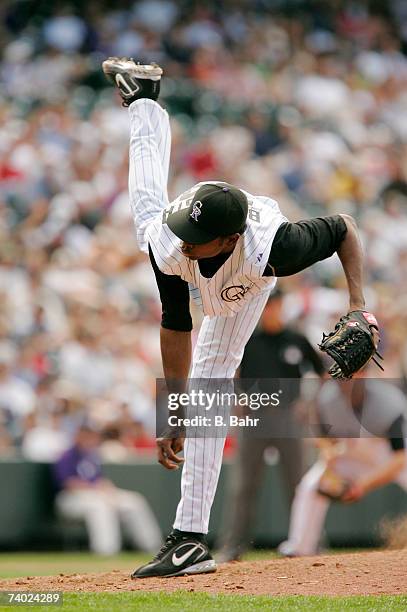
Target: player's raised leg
{"x":150,"y":138}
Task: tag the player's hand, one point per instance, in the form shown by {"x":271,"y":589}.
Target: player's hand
{"x":354,"y":493}
{"x":331,"y":452}
{"x":167,"y":449}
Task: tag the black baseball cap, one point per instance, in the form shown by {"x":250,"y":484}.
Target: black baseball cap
{"x":217,"y":210}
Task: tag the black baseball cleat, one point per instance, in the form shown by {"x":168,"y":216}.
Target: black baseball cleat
{"x":134,"y":81}
{"x":183,"y":553}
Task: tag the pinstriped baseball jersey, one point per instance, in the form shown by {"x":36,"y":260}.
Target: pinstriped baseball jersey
{"x":241,"y":276}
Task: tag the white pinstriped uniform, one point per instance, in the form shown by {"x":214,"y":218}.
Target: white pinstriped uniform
{"x":232,"y":300}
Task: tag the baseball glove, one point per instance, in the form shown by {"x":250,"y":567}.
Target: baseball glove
{"x":332,"y":485}
{"x":352,"y":344}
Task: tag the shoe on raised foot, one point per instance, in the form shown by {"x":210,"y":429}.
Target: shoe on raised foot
{"x":183,"y":553}
{"x":133,"y":80}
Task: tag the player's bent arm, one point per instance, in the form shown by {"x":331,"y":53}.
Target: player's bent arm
{"x":175,"y":338}
{"x":176,"y":326}
{"x":351,"y":256}
{"x":174,"y":296}
{"x":385,"y":474}
{"x":176,"y":355}
{"x":390,"y":470}
{"x":297,"y":246}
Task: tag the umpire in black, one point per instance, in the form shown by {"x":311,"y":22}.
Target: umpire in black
{"x":274,"y":351}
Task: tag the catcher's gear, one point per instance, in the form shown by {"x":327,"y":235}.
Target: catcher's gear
{"x":332,"y":485}
{"x":351,"y":344}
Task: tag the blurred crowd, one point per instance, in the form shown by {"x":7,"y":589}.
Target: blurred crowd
{"x":302,"y":101}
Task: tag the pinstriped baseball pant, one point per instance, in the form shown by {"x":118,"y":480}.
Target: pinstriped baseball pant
{"x":221,"y":341}
{"x":218,"y":353}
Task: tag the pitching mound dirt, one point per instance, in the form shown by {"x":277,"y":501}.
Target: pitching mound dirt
{"x":371,"y":573}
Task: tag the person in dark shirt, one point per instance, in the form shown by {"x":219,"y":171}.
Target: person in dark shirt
{"x":274,"y":351}
{"x":84,"y":494}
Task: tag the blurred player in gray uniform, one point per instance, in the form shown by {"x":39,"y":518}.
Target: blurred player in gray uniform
{"x":364,"y":448}
{"x":224,"y":248}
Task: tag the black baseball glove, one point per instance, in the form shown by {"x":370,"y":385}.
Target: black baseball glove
{"x":352,"y":344}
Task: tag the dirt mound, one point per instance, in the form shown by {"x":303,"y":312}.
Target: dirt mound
{"x":368,"y":573}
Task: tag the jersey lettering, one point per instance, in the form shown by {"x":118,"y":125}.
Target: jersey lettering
{"x":180,"y":203}
{"x":254,"y":215}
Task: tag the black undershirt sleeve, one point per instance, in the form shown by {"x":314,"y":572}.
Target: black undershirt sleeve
{"x":395,"y":434}
{"x":297,"y":246}
{"x":174,"y":295}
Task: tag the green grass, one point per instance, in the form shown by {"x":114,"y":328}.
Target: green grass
{"x":37,"y":564}
{"x":13,"y":565}
{"x":201,"y":602}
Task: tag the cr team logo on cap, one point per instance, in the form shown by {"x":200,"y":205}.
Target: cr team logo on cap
{"x":196,"y":210}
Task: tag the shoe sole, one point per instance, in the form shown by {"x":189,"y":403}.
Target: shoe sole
{"x":204,"y":567}
{"x":112,"y":67}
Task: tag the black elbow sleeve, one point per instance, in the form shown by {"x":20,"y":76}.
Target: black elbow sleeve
{"x":174,"y":296}
{"x":297,"y":246}
{"x":176,"y":319}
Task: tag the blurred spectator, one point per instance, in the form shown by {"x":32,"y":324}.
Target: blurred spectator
{"x":44,"y":440}
{"x":16,"y":395}
{"x":305,"y":103}
{"x":6,"y":442}
{"x":84,"y":494}
{"x":65,"y":32}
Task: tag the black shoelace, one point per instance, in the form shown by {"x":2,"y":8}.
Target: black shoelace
{"x":169,"y":542}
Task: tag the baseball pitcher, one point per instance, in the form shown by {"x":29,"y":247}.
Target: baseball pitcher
{"x":224,"y":248}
